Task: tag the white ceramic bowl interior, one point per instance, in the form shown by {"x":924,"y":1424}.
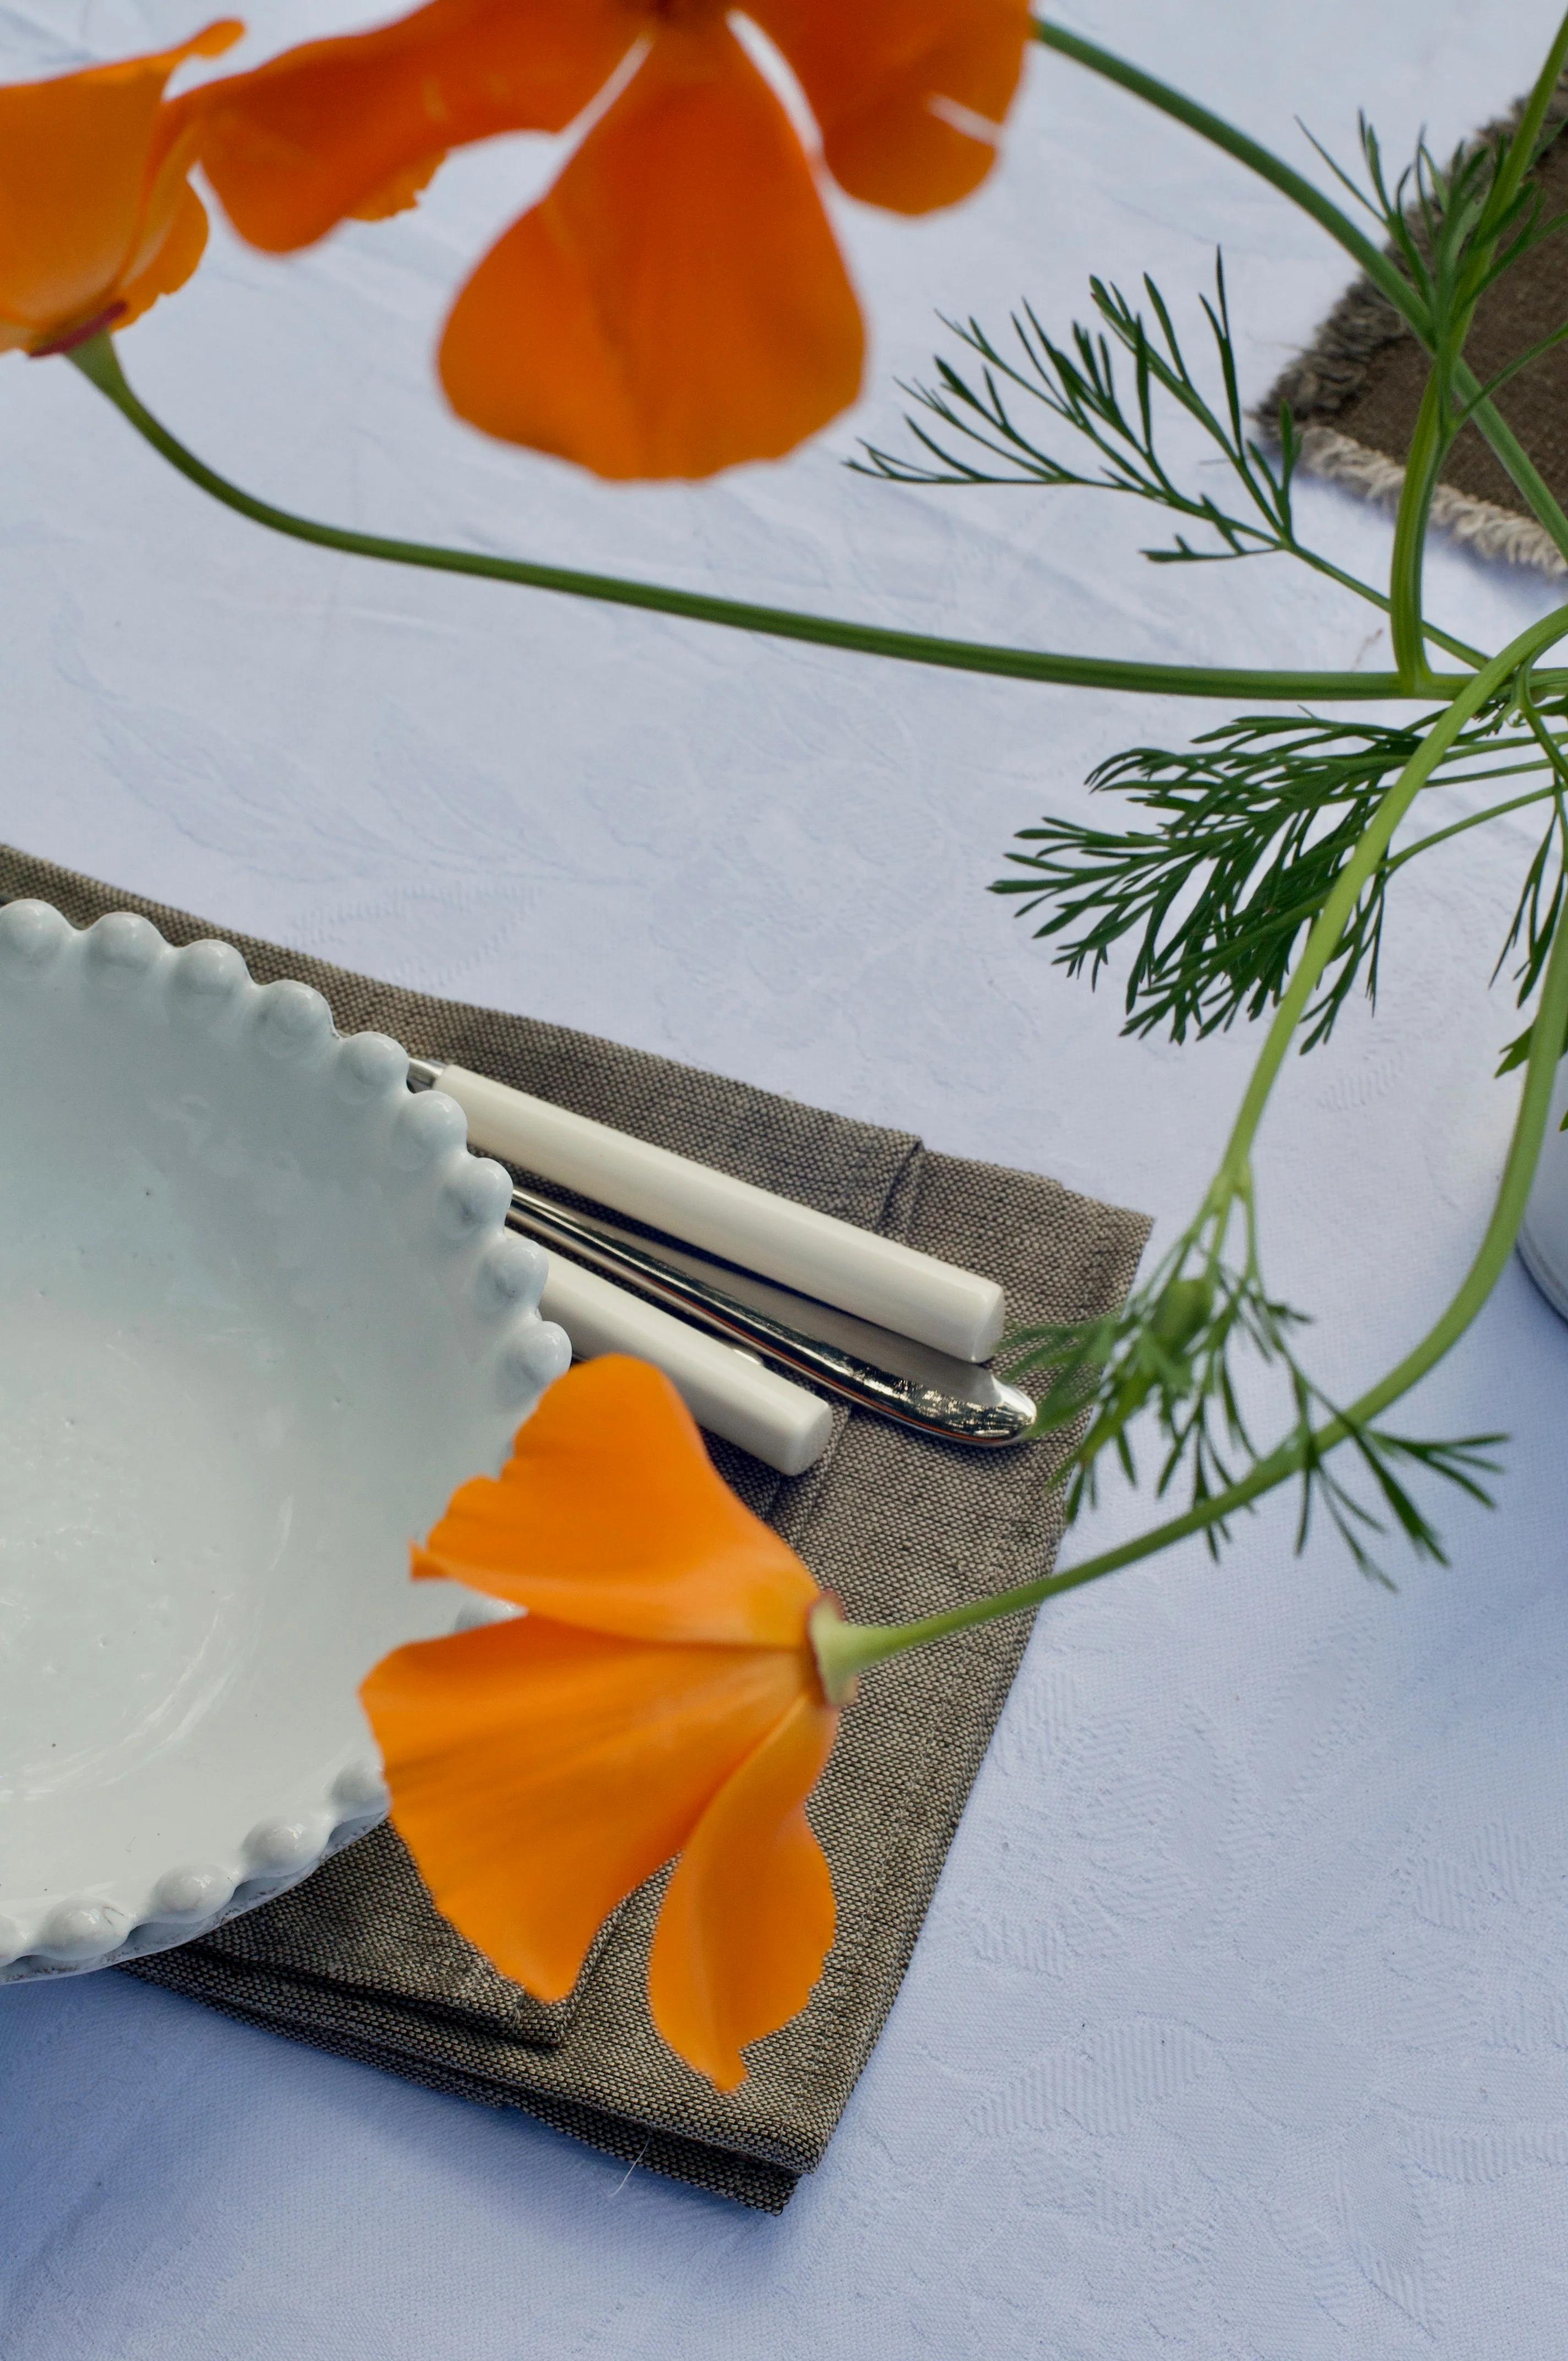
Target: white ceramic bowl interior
{"x":259,"y":1315}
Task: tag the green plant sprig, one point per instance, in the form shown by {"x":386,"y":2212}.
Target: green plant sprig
{"x":982,"y":441}
{"x":1256,"y":822}
{"x":851,"y":1649}
{"x":1171,"y":1354}
{"x":1174,"y":1348}
{"x":1456,"y":234}
{"x":1380,"y":268}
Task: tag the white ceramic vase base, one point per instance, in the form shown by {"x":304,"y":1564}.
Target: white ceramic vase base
{"x":1543,"y":1233}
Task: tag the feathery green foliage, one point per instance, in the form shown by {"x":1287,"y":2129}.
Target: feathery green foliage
{"x":1246,"y":864}
{"x":1252,"y":825}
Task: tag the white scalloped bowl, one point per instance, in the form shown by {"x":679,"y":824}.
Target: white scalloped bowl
{"x":259,"y":1315}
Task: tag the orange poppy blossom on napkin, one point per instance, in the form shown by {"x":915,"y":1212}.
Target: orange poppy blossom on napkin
{"x":97,"y":215}
{"x":660,"y":1700}
{"x":676,"y":303}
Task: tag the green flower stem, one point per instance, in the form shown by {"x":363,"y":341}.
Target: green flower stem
{"x":1434,"y":427}
{"x":1259,"y":159}
{"x":1506,"y":447}
{"x":1378,"y":267}
{"x":1476,"y":819}
{"x":1445,"y":639}
{"x":1335,"y":915}
{"x":1532,"y":121}
{"x":99,"y":362}
{"x":1517,"y":160}
{"x":846,"y":1650}
{"x":1426,"y":455}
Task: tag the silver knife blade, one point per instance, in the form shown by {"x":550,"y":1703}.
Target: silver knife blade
{"x":871,"y":1367}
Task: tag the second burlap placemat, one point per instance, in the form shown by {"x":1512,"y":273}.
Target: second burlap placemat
{"x":1356,"y":390}
{"x":356,"y":1961}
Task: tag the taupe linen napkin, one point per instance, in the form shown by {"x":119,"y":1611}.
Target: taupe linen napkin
{"x":356,"y":1961}
{"x":1356,"y":390}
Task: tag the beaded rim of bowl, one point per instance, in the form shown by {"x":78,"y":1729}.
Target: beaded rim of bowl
{"x":464,"y":1199}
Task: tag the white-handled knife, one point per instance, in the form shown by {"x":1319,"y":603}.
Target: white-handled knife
{"x":726,"y":1390}
{"x":879,"y":1279}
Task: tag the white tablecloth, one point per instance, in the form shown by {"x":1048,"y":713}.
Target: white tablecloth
{"x":1240,"y":2024}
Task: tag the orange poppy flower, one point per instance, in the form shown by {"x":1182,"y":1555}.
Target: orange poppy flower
{"x":97,"y":217}
{"x":676,"y":303}
{"x":659,"y":1701}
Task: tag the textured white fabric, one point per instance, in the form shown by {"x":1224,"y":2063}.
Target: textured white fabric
{"x":1240,"y":2024}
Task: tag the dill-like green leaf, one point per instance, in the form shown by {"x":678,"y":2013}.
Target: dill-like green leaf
{"x":1251,"y":827}
{"x":1171,"y":1357}
{"x":980,"y":436}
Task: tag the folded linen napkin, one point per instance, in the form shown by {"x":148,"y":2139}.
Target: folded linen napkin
{"x":358,"y":1961}
{"x":1356,"y":390}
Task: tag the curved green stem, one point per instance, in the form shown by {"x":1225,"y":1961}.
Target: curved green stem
{"x":1506,"y":447}
{"x":1374,"y":598}
{"x":99,"y":362}
{"x":1435,"y":421}
{"x":1531,"y":122}
{"x":1256,"y":158}
{"x":1475,"y":819}
{"x":1408,"y":629}
{"x":1335,"y":915}
{"x":1378,"y":267}
{"x":845,"y":1649}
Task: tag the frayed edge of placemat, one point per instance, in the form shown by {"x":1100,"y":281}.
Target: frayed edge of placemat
{"x":1480,"y":525}
{"x":1331,"y":371}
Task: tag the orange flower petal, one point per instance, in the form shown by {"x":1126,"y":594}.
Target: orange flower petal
{"x":315,"y":133}
{"x":539,"y":1774}
{"x":402,"y":191}
{"x":609,"y":1515}
{"x":168,"y":195}
{"x":749,"y":1916}
{"x":183,"y":245}
{"x":677,"y":304}
{"x":904,"y":92}
{"x":78,"y":165}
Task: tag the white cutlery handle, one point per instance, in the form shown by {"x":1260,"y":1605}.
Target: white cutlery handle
{"x":725,"y":1390}
{"x":956,"y":1310}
